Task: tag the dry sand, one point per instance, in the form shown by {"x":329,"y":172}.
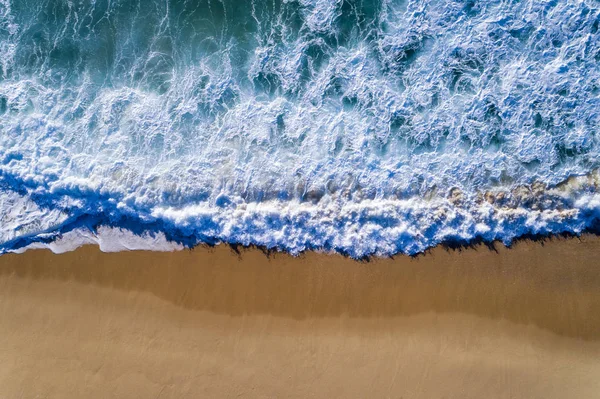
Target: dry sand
{"x":209,"y":323}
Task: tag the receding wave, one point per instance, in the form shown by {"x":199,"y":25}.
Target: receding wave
{"x":368,"y":127}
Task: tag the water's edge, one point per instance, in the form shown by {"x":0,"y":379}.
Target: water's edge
{"x":357,"y":229}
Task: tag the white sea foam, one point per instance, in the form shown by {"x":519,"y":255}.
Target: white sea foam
{"x":108,"y":240}
{"x":301,"y":124}
{"x":367,"y":227}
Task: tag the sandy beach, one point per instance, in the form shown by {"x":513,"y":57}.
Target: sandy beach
{"x":522,"y":322}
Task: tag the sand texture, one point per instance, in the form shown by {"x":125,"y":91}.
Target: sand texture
{"x":211,"y":323}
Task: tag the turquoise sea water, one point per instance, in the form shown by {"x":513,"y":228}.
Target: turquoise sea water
{"x":364,"y":127}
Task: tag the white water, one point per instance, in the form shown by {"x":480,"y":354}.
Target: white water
{"x":367,"y":127}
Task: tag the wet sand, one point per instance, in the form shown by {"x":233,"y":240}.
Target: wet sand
{"x":210,"y":323}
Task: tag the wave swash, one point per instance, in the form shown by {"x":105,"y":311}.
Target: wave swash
{"x":369,"y":127}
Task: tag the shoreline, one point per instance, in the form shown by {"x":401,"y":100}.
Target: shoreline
{"x":515,"y":322}
{"x":346,"y":279}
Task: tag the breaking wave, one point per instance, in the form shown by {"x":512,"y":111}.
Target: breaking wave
{"x":368,"y":127}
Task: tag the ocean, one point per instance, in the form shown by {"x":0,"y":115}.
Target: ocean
{"x":372,"y":127}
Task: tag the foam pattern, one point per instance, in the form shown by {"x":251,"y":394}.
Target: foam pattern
{"x":368,"y":127}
